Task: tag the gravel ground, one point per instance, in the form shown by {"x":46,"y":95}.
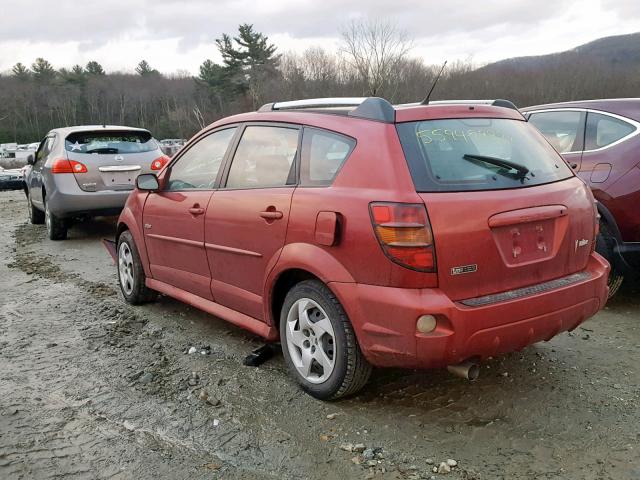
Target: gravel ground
{"x":91,"y":387}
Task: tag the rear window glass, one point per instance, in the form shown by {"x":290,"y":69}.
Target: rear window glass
{"x":603,"y":130}
{"x":323,"y":153}
{"x":478,"y":154}
{"x":110,"y":142}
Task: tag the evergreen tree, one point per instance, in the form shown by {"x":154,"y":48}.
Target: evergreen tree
{"x":20,"y":71}
{"x":94,"y":68}
{"x":144,"y":69}
{"x":42,"y":70}
{"x":249,"y":60}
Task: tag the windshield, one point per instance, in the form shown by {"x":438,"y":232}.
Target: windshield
{"x":478,"y":154}
{"x":110,"y":142}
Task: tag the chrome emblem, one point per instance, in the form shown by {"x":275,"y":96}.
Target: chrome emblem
{"x":581,"y":243}
{"x":464,"y":269}
{"x":119,"y":158}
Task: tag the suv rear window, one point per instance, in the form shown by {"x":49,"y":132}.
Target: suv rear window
{"x":478,"y":154}
{"x":110,"y":142}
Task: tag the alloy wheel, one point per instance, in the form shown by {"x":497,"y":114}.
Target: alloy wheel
{"x":47,"y":217}
{"x":125,"y":268}
{"x":310,"y":340}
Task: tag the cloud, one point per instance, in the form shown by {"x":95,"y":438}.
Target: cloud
{"x":174,"y":31}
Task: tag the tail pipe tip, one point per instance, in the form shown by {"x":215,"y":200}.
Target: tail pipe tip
{"x":468,"y":370}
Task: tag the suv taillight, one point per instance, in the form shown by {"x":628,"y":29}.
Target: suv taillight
{"x":62,"y":165}
{"x":404,"y":233}
{"x":159,"y":162}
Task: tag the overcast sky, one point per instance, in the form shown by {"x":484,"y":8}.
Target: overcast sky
{"x":177,"y":35}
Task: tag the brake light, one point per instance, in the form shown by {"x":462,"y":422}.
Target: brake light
{"x":404,"y":233}
{"x":62,"y":165}
{"x":159,"y":162}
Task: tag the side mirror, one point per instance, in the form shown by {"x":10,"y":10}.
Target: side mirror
{"x":31,"y":159}
{"x":147,"y":182}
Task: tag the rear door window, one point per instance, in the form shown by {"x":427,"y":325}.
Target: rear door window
{"x":563,"y":129}
{"x":603,"y":130}
{"x":198,"y":167}
{"x":264,"y":158}
{"x":478,"y":154}
{"x":120,"y":143}
{"x":323,"y":153}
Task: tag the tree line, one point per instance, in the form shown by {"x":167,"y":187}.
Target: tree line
{"x":374,"y":59}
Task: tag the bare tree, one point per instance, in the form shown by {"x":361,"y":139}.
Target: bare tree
{"x":374,"y":48}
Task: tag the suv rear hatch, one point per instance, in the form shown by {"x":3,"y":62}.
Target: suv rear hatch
{"x":113,"y":158}
{"x":505,"y":209}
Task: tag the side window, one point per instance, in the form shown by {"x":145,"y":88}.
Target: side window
{"x":45,"y":147}
{"x":199,"y":166}
{"x":264,"y":157}
{"x":323,"y":153}
{"x":603,"y":130}
{"x":562,"y":129}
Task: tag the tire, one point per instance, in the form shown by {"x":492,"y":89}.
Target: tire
{"x":56,"y":227}
{"x":605,"y":246}
{"x":335,"y":366}
{"x":131,"y":277}
{"x":36,"y":217}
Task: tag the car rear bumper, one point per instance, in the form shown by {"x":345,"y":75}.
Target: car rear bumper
{"x":384,"y":319}
{"x":68,"y":200}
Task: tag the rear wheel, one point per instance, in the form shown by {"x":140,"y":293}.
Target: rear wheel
{"x":319,"y":344}
{"x":605,"y":244}
{"x":131,"y":277}
{"x":56,"y":227}
{"x":36,"y":217}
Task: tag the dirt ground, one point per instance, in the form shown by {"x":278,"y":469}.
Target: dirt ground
{"x":91,"y":387}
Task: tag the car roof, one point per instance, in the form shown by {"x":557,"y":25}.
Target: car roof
{"x":373,"y":109}
{"x":626,"y":107}
{"x":64,"y":131}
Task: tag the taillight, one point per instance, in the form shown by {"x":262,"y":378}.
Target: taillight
{"x":62,"y":165}
{"x":159,"y":162}
{"x":404,"y":233}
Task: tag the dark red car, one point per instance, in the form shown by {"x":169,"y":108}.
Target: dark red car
{"x":361,"y":234}
{"x":600,"y":140}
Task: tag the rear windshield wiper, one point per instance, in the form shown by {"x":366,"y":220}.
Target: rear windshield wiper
{"x":499,"y":162}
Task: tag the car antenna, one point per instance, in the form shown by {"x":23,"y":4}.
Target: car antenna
{"x":426,"y":99}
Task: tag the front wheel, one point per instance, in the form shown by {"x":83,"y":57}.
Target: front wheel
{"x":319,"y":344}
{"x":131,"y":277}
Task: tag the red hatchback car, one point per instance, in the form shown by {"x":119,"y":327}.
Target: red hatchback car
{"x":360,"y":234}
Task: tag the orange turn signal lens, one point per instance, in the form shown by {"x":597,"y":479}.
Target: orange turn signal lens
{"x":404,"y":233}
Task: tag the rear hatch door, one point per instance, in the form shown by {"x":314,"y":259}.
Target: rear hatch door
{"x":498,"y":225}
{"x":112,"y":158}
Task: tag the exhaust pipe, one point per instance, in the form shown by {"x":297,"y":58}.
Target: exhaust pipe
{"x":469,"y":370}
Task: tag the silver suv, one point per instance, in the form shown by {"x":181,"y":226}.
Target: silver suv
{"x":86,"y":171}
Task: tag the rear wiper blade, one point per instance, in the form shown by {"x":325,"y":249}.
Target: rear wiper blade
{"x":499,"y":162}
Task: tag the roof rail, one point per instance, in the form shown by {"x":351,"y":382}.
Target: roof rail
{"x":496,"y":103}
{"x":372,"y":108}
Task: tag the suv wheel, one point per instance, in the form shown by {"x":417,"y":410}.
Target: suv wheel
{"x":604,"y":246}
{"x":318,"y":343}
{"x":56,"y":227}
{"x":36,"y":217}
{"x":131,"y":277}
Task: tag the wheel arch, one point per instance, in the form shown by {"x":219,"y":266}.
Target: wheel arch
{"x":296,"y":263}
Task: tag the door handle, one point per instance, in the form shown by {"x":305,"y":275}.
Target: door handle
{"x":196,"y":210}
{"x":271,"y":215}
